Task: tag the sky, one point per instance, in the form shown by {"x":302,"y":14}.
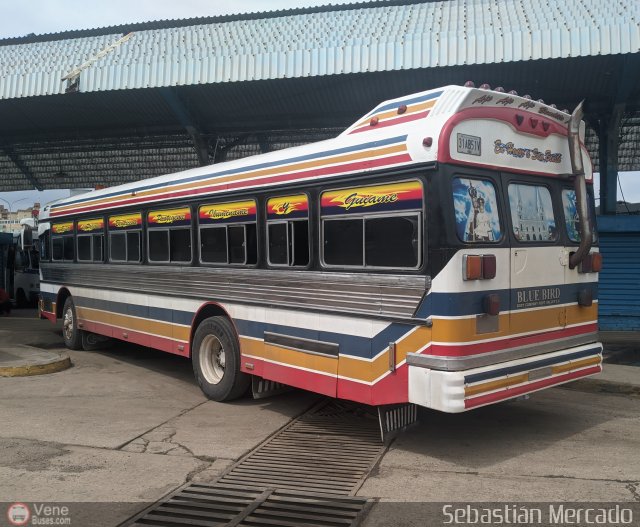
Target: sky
{"x":52,"y":16}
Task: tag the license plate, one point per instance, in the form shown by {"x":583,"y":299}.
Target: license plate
{"x":469,"y":144}
{"x":540,"y":373}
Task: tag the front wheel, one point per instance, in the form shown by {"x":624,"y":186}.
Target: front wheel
{"x":70,"y":332}
{"x":216,"y":360}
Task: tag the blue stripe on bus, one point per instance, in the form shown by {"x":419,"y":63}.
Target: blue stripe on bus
{"x":530,"y":365}
{"x":363,"y":347}
{"x":394,"y":105}
{"x":470,"y":303}
{"x":307,"y":157}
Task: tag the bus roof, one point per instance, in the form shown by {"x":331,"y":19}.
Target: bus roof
{"x":394,"y":134}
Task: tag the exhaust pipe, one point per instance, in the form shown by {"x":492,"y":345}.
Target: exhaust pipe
{"x":582,"y":204}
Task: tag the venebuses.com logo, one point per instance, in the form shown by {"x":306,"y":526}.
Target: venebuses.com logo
{"x":18,"y":514}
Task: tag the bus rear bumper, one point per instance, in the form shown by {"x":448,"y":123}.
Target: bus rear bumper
{"x":458,"y":391}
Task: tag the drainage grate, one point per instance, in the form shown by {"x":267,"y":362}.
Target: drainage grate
{"x":305,"y":475}
{"x":330,"y":450}
{"x":228,"y":505}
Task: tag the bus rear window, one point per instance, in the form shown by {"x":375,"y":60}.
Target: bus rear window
{"x":532,"y":213}
{"x":571,"y":219}
{"x":476,"y":209}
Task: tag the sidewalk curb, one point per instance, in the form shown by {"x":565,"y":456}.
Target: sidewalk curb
{"x":61,"y":363}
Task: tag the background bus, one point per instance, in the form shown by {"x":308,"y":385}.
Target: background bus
{"x":438,"y":252}
{"x":20,"y":264}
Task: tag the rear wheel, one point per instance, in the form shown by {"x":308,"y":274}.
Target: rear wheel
{"x":70,"y":332}
{"x":216,"y":360}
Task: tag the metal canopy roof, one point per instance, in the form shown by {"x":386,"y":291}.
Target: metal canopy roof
{"x":175,"y":93}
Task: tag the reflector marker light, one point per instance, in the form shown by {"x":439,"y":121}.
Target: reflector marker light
{"x":469,"y":84}
{"x":427,"y":141}
{"x":374,"y":121}
{"x":402,"y":109}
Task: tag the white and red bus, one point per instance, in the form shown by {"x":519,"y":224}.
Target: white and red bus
{"x":440,"y":251}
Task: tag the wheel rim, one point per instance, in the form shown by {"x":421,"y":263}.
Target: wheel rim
{"x":67,"y":324}
{"x":212,"y":359}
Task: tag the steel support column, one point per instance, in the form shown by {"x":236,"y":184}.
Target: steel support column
{"x":609,"y":139}
{"x":188,"y":123}
{"x":609,"y":126}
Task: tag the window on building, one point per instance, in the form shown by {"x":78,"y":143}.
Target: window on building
{"x":228,"y":233}
{"x":377,"y":226}
{"x":125,"y":238}
{"x":288,"y":231}
{"x":532,"y":213}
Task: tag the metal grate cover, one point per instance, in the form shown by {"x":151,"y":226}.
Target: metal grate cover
{"x":330,"y":450}
{"x":304,"y":475}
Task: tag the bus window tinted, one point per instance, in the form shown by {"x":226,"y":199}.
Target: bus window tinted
{"x":532,"y":213}
{"x":476,"y":209}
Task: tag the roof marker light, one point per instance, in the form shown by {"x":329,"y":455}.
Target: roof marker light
{"x":545,"y":126}
{"x":499,"y":89}
{"x":527,"y":96}
{"x":469,"y":84}
{"x":553,"y":106}
{"x":374,"y":121}
{"x":513,"y":92}
{"x":485,"y":87}
{"x":519,"y":119}
{"x":534,"y":122}
{"x":540,"y":101}
{"x":402,"y":109}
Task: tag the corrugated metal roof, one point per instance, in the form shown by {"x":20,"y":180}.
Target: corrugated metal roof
{"x":365,"y":39}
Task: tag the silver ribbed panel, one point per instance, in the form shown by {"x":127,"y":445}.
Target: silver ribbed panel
{"x":448,"y":33}
{"x":390,"y":296}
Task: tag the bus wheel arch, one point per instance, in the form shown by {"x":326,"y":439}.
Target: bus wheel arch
{"x":215,"y":355}
{"x":63,"y":294}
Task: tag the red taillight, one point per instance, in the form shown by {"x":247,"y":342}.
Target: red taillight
{"x":491,"y":304}
{"x":591,"y":263}
{"x":472,"y":267}
{"x":488,"y":266}
{"x":478,"y":267}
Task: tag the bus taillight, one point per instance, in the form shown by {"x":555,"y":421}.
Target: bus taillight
{"x":478,"y":267}
{"x":591,"y":263}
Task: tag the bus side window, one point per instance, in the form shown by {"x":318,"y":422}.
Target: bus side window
{"x":63,"y":242}
{"x":376,"y":226}
{"x":288,"y":231}
{"x":90,"y":240}
{"x":476,"y":210}
{"x":227,"y":233}
{"x":125,"y":238}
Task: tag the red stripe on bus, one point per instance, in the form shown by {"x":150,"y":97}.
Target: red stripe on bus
{"x":136,"y":337}
{"x":473,"y":348}
{"x":520,"y":390}
{"x":283,"y":178}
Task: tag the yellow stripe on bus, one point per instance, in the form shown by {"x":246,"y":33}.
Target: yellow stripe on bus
{"x":144,"y":325}
{"x":414,"y":108}
{"x":250,"y":174}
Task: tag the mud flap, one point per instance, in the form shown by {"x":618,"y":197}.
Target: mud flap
{"x":262,"y":388}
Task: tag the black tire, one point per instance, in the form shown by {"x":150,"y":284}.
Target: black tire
{"x":215,"y":355}
{"x":70,"y":333}
{"x":21,"y":299}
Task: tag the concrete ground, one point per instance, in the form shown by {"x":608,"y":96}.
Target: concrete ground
{"x":127,"y":425}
